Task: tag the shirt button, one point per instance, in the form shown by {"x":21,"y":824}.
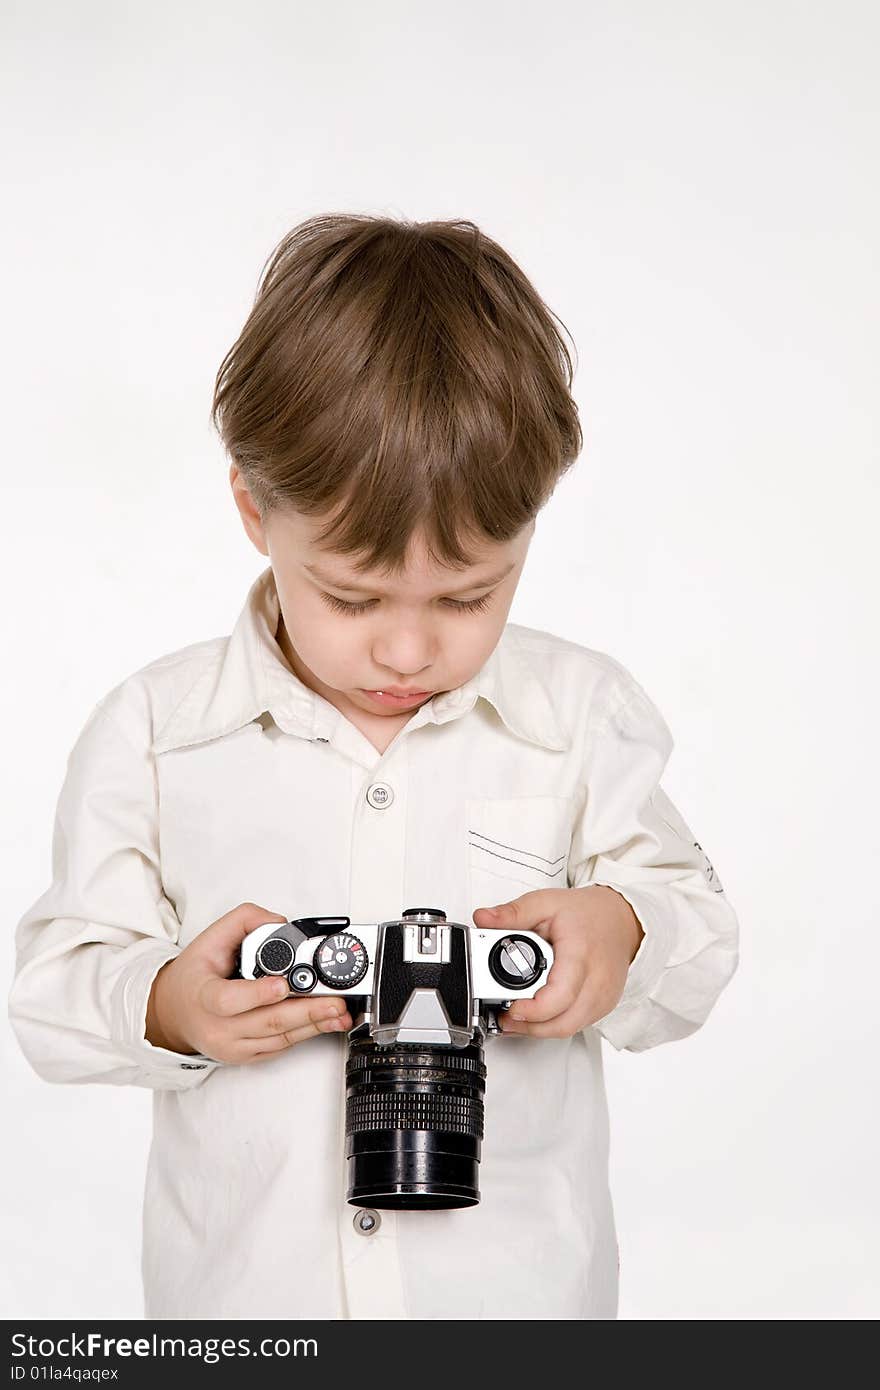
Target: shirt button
{"x":380,"y":795}
{"x":367,"y":1222}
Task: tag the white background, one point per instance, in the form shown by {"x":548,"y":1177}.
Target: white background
{"x":692,"y":188}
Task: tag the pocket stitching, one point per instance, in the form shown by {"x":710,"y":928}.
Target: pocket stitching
{"x":497,"y":865}
{"x":521,"y":863}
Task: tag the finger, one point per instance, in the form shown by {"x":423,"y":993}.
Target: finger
{"x":565,"y":982}
{"x":252,"y":1049}
{"x":596,"y":999}
{"x":269,"y":1047}
{"x":266,"y":1047}
{"x":296,"y":1034}
{"x":563,"y":1025}
{"x":229,"y":997}
{"x":222,"y":938}
{"x":319,"y":1014}
{"x":279,"y":1042}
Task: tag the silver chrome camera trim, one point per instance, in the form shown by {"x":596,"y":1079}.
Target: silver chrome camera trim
{"x":429,"y":1022}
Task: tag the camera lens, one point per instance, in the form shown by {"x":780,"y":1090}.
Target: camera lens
{"x":413,"y":1124}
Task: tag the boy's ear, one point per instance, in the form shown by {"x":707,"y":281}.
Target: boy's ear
{"x":248,"y":510}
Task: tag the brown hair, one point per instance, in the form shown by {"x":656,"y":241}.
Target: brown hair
{"x":398,"y":377}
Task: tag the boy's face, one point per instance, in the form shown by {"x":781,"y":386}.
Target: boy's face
{"x":411,"y":634}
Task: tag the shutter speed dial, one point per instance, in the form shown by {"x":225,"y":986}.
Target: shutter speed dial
{"x":516,"y":962}
{"x":341,"y":960}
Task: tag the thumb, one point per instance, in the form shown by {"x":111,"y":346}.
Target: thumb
{"x":223,"y":937}
{"x":501,"y":915}
{"x":528,"y":912}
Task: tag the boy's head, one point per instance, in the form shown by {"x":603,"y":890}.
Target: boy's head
{"x":397,"y":410}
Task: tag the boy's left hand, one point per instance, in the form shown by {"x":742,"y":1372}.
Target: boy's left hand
{"x":595,"y":936}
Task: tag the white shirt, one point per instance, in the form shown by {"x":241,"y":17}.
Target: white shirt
{"x":213,"y":776}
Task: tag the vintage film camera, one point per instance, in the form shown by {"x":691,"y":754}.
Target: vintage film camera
{"x":423,"y":994}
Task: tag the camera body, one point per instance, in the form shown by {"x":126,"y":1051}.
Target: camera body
{"x":423,"y":994}
{"x":412,"y":979}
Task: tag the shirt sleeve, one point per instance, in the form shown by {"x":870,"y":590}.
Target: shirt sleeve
{"x":89,"y":948}
{"x":630,"y":837}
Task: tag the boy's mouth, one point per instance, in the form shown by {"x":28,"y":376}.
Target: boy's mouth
{"x":389,"y":699}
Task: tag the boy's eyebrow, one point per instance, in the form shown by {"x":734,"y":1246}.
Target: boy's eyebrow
{"x":367,"y":588}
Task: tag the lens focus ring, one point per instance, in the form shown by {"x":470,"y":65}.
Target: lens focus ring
{"x":415,"y":1110}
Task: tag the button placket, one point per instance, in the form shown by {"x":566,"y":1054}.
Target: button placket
{"x":373,"y":1276}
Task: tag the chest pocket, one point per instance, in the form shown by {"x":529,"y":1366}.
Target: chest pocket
{"x":523,"y":839}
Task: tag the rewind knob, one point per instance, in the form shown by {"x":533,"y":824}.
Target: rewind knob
{"x":516,"y":962}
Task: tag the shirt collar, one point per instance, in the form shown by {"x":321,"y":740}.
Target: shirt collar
{"x":250,"y":677}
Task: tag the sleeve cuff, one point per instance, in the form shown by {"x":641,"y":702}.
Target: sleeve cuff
{"x":128,"y":1020}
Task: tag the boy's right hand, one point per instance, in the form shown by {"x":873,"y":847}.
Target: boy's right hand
{"x":194,"y":1007}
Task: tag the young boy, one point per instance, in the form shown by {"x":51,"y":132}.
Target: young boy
{"x":373,"y":735}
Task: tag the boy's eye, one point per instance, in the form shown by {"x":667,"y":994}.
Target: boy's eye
{"x":473,"y":605}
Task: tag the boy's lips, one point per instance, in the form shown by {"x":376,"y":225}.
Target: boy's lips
{"x":389,"y":696}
